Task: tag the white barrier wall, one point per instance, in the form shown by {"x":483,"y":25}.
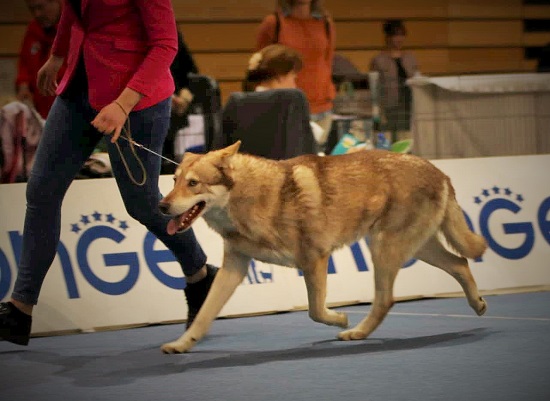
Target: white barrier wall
{"x":110,"y":271}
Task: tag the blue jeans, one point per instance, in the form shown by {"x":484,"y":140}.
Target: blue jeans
{"x":67,"y":142}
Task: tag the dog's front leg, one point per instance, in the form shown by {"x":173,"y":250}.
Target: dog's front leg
{"x":228,"y":278}
{"x":316,"y":282}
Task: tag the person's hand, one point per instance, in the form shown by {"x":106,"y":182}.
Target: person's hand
{"x":110,"y":120}
{"x":47,"y":76}
{"x":23,"y":93}
{"x":179,"y":105}
{"x":181,"y":101}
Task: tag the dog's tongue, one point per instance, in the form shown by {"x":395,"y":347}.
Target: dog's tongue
{"x":172,"y":226}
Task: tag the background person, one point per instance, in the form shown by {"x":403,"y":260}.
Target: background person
{"x":276,"y":67}
{"x":182,"y":65}
{"x":304,"y":25}
{"x":395,"y":66}
{"x":35,"y":51}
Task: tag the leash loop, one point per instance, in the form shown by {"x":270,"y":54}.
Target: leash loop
{"x":127,"y":136}
{"x":127,"y":131}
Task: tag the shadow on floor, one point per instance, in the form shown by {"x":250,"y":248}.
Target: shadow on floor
{"x":120,"y":368}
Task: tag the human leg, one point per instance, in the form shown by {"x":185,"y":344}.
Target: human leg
{"x":148,"y":127}
{"x":67,"y":141}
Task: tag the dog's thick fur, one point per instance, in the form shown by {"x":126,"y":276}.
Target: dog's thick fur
{"x":296,"y":212}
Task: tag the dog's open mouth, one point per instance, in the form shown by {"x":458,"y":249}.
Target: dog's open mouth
{"x":182,"y":222}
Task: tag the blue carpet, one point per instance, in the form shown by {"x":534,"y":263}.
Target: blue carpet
{"x":433,"y":349}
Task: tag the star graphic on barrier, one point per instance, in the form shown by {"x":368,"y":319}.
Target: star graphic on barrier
{"x":477,"y":200}
{"x":519,"y":198}
{"x":110,"y":218}
{"x":485,"y":193}
{"x":97,"y":216}
{"x":508,"y":192}
{"x":85,"y":220}
{"x":123,"y":225}
{"x":496,"y":190}
{"x":75,"y":229}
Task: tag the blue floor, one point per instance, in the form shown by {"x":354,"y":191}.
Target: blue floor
{"x":433,"y":349}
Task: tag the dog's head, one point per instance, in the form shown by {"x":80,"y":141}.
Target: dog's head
{"x":201,"y":182}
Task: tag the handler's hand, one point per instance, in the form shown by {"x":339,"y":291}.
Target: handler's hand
{"x":23,"y":93}
{"x":110,"y":120}
{"x":46,"y":79}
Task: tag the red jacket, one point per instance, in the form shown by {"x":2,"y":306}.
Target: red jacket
{"x":35,"y":50}
{"x":125,"y":43}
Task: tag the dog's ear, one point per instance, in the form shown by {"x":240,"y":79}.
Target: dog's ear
{"x":189,"y":156}
{"x":232,"y":149}
{"x":226,"y":154}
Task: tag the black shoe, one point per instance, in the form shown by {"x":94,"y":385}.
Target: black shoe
{"x":196,"y":293}
{"x":15,"y":326}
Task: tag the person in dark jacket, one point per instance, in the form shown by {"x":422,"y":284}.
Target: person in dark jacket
{"x":182,"y":65}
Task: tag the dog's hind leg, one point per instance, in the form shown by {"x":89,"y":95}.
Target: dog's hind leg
{"x":434,"y":253}
{"x":316,"y":283}
{"x":387,"y":257}
{"x":226,"y":281}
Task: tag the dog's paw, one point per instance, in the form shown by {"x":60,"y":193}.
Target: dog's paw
{"x":481,"y":307}
{"x":353,"y":334}
{"x":177,"y":347}
{"x":342,"y":320}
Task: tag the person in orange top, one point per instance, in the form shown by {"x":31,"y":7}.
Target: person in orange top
{"x":305,"y":26}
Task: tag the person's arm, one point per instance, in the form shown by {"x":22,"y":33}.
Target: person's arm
{"x":163,"y":46}
{"x":183,"y":65}
{"x":160,"y":25}
{"x":23,"y":74}
{"x":60,"y":47}
{"x":46,"y":81}
{"x":266,"y":32}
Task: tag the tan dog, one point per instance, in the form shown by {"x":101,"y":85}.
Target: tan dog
{"x":296,"y":212}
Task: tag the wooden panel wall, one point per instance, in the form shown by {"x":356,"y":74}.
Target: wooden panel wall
{"x":447,"y":36}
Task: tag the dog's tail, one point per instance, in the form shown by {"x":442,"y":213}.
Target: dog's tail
{"x":456,"y":230}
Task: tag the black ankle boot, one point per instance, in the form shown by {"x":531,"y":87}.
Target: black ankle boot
{"x":196,"y":293}
{"x":15,"y":326}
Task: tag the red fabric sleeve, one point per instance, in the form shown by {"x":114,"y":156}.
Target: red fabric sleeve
{"x":23,"y":74}
{"x":60,"y":46}
{"x":160,"y":24}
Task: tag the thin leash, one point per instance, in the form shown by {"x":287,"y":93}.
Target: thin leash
{"x":127,"y":135}
{"x":149,"y":150}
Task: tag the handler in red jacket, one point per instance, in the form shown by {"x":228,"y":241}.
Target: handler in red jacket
{"x":35,"y":51}
{"x":118,"y":55}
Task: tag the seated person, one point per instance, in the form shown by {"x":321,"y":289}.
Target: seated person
{"x":35,"y":50}
{"x":271,"y":116}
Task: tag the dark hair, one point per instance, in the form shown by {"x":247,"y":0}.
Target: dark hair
{"x":286,"y":6}
{"x":271,"y":62}
{"x":394,"y":27}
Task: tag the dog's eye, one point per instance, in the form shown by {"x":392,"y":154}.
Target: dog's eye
{"x":192,"y":183}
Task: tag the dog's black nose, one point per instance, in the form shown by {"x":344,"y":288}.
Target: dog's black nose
{"x":163,"y":207}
